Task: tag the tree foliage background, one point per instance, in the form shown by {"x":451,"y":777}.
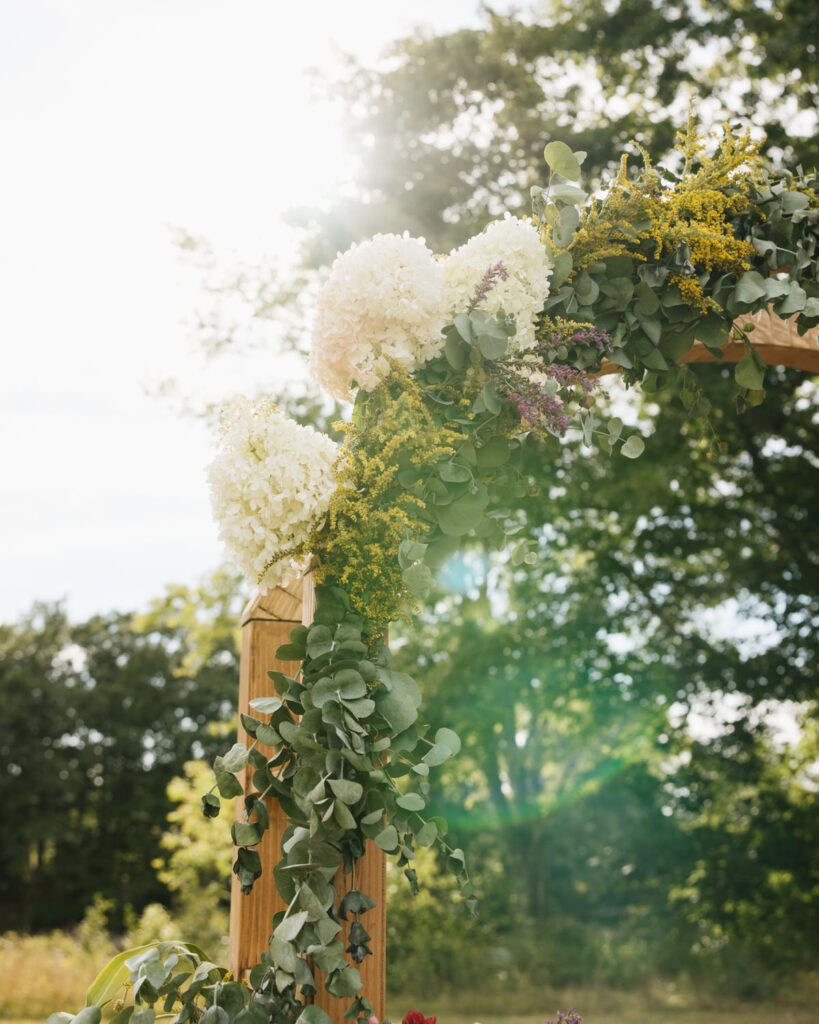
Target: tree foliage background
{"x":637,"y":789}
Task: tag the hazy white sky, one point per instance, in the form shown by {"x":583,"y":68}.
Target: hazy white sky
{"x":119,"y":118}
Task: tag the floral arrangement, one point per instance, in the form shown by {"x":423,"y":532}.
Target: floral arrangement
{"x":381,"y":306}
{"x":270,"y":485}
{"x":519,"y":288}
{"x":455,"y":365}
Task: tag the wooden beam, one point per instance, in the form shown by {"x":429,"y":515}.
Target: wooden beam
{"x":776,"y":340}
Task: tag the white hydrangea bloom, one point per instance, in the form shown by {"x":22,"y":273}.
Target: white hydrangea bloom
{"x":517,"y":245}
{"x":270,"y":484}
{"x":382,"y":302}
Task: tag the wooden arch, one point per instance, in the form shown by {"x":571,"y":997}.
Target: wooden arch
{"x":266,"y":624}
{"x":777,"y":342}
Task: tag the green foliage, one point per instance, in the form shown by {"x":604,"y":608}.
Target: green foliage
{"x":93,"y":738}
{"x":665,"y":258}
{"x":346,"y":732}
{"x":451,"y":129}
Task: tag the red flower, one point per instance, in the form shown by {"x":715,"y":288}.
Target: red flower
{"x":415,"y":1017}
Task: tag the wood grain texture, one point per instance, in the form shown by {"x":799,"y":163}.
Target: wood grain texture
{"x":266,"y":623}
{"x":776,"y":340}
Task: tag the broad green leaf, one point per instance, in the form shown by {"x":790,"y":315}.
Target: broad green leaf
{"x":568,"y":194}
{"x":410,"y":551}
{"x":388,"y":839}
{"x":346,"y":791}
{"x":290,"y":652}
{"x":448,"y":738}
{"x":319,"y":641}
{"x":267,"y":735}
{"x":633,"y":447}
{"x":246,"y":833}
{"x":343,"y":816}
{"x":463,"y":514}
{"x":491,"y":398}
{"x":586,"y":289}
{"x":345,"y":983}
{"x":266,"y":705}
{"x":568,"y":220}
{"x":283,"y":954}
{"x":750,"y":288}
{"x":713,"y":330}
{"x":362,"y":707}
{"x":455,"y":352}
{"x":427,"y":835}
{"x":90,"y":1015}
{"x":290,"y":927}
{"x":228,"y":785}
{"x":794,"y":302}
{"x":454,"y":473}
{"x":411,"y":802}
{"x":491,"y":346}
{"x":561,"y":271}
{"x":562,"y":160}
{"x":494,"y":453}
{"x":234,"y":760}
{"x":399,"y":705}
{"x":348,"y":684}
{"x":464,"y":327}
{"x":437,"y":754}
{"x":418,"y":579}
{"x":748,"y":373}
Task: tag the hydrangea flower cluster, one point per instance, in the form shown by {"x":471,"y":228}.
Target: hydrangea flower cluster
{"x":381,"y":304}
{"x":521,"y":292}
{"x":270,"y":486}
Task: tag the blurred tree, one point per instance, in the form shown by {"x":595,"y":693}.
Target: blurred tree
{"x":449,"y":130}
{"x":100,"y":717}
{"x":677,"y":597}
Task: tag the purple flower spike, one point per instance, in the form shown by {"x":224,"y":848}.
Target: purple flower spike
{"x":494,"y":273}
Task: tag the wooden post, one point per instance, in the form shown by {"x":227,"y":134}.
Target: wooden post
{"x":266,"y":623}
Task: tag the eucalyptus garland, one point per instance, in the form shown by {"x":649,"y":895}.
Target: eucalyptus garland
{"x":433,"y":458}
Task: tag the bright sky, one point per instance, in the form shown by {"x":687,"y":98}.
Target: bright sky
{"x":118,"y":119}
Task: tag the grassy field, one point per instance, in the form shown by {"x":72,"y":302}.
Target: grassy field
{"x":41,"y":974}
{"x":614,"y":1008}
{"x":748,"y":1015}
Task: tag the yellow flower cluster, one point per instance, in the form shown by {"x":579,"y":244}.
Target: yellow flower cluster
{"x":372,"y":511}
{"x":645,"y":219}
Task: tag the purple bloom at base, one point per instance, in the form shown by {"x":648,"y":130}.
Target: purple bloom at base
{"x":570,"y":1017}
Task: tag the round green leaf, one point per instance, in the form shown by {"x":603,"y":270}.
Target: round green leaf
{"x":411,"y":802}
{"x":562,"y":160}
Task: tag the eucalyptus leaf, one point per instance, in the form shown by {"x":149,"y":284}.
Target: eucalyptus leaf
{"x":346,"y":791}
{"x":387,"y":840}
{"x":411,"y":802}
{"x":633,"y":447}
{"x":448,"y":738}
{"x":562,"y":160}
{"x":749,"y":374}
